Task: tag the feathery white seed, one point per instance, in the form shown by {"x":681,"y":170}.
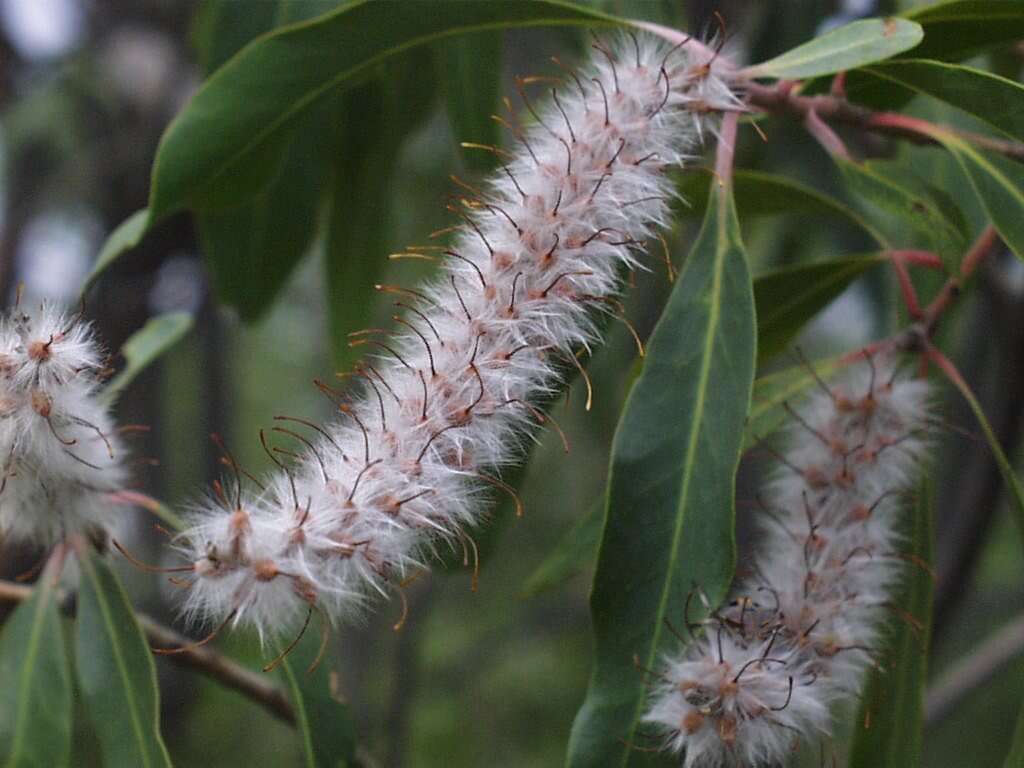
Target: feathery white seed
{"x":59,"y":455}
{"x":799,"y":634}
{"x":448,"y":398}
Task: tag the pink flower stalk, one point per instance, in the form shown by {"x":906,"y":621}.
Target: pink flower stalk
{"x":450,"y":398}
{"x":59,"y":454}
{"x":799,"y":634}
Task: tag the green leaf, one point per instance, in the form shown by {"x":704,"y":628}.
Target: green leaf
{"x":671,"y":483}
{"x":787,"y":298}
{"x":35,"y":684}
{"x":1016,"y":757}
{"x":959,"y":29}
{"x":159,"y":334}
{"x":999,"y":185}
{"x":576,"y":549}
{"x":848,"y":47}
{"x":116,"y":674}
{"x":870,"y":182}
{"x":991,"y":98}
{"x":772,"y":392}
{"x":125,"y":237}
{"x":375,"y":120}
{"x":324,"y":721}
{"x":261,"y":91}
{"x":471,"y":75}
{"x":889,"y":726}
{"x":765,"y":194}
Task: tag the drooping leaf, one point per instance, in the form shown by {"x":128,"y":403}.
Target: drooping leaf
{"x":35,"y":685}
{"x":991,"y":98}
{"x":765,"y":194}
{"x":848,"y":47}
{"x":125,"y":236}
{"x":376,"y":118}
{"x":999,"y":185}
{"x":889,"y":726}
{"x":159,"y":334}
{"x":788,"y":298}
{"x":252,"y":247}
{"x":259,"y":93}
{"x":959,"y":29}
{"x":115,"y":669}
{"x":670,"y":490}
{"x":574,"y":551}
{"x":774,"y":391}
{"x":323,"y":720}
{"x":869,"y":182}
{"x":470,"y":68}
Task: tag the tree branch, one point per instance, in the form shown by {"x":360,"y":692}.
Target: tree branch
{"x":202,"y":659}
{"x":783,"y":99}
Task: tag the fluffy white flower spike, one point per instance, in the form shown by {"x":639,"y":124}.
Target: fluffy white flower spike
{"x":59,"y":454}
{"x":799,"y":634}
{"x":449,"y":397}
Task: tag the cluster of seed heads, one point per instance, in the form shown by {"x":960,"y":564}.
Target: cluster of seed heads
{"x":759,"y":675}
{"x":449,"y":398}
{"x":60,"y":458}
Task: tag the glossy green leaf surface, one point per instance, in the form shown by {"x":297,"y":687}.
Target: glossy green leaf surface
{"x":989,"y":97}
{"x":847,"y":47}
{"x":359,"y":234}
{"x":765,"y":194}
{"x":999,"y":185}
{"x":260,"y":92}
{"x":115,"y":669}
{"x":470,"y":68}
{"x":788,"y":298}
{"x":888,"y":729}
{"x":958,"y":29}
{"x":159,"y":334}
{"x":35,"y":685}
{"x":671,"y":486}
{"x":125,"y":236}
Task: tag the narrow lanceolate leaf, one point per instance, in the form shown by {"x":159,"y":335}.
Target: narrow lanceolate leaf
{"x":888,"y":729}
{"x":765,"y":194}
{"x":375,"y":119}
{"x":470,"y":69}
{"x":670,"y":490}
{"x":918,"y":213}
{"x":35,"y":685}
{"x":999,"y":185}
{"x":147,"y":344}
{"x":848,"y":47}
{"x":125,"y":237}
{"x":1015,"y":759}
{"x":961,"y":28}
{"x":248,"y":104}
{"x":991,"y":98}
{"x":116,"y":674}
{"x":772,"y":393}
{"x":252,"y":247}
{"x":788,"y":298}
{"x":324,"y":723}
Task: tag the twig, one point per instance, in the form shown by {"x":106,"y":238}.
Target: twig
{"x":785,"y":100}
{"x":202,"y":659}
{"x":975,"y":670}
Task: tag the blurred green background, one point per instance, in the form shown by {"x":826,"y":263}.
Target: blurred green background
{"x":491,"y":677}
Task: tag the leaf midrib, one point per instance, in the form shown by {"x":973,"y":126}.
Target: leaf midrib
{"x":119,"y":661}
{"x":721,"y":248}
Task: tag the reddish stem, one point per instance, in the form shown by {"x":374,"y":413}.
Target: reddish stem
{"x":726,"y":148}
